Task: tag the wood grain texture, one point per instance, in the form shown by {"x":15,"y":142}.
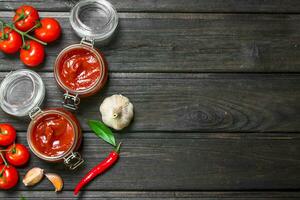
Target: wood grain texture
{"x":148,"y":195}
{"x":159,"y":42}
{"x":254,"y":6}
{"x":195,"y":102}
{"x":217,"y":161}
{"x":206,"y":127}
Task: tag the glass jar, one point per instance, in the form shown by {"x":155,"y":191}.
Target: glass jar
{"x":21,"y":94}
{"x":94,"y":20}
{"x":43,"y":140}
{"x":80,"y":70}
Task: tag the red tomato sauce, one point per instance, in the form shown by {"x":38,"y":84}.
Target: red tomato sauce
{"x":79,"y":69}
{"x":52,"y":135}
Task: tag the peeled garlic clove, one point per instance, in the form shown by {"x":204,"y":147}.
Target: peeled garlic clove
{"x":116,"y":111}
{"x":33,"y":176}
{"x":56,"y":180}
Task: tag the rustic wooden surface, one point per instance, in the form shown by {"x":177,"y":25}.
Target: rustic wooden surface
{"x":216,"y":89}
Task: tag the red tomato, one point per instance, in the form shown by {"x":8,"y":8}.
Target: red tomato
{"x":17,"y":155}
{"x":12,"y":43}
{"x":9,"y":177}
{"x":34,"y":55}
{"x":7,"y":134}
{"x":26,"y":17}
{"x":49,"y":31}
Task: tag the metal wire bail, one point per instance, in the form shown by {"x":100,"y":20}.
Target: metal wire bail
{"x":87,"y":41}
{"x":73,"y":161}
{"x":71,"y":101}
{"x":34,"y":112}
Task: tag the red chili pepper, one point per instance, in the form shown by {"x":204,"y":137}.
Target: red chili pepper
{"x":109,"y":161}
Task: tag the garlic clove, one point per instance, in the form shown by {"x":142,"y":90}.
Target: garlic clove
{"x":33,"y":176}
{"x":116,"y":111}
{"x":56,"y":180}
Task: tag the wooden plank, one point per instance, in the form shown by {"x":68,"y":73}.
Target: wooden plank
{"x":156,"y":42}
{"x":195,"y":102}
{"x":214,"y":161}
{"x":148,"y":195}
{"x":256,"y":6}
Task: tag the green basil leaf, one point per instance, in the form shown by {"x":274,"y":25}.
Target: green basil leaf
{"x":22,"y":198}
{"x":102,"y":131}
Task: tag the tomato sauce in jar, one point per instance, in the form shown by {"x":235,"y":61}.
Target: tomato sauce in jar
{"x":52,"y":135}
{"x":79,"y":69}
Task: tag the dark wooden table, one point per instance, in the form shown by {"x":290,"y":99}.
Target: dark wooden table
{"x":216,"y":90}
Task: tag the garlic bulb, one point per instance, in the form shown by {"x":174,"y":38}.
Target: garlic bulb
{"x":116,"y":111}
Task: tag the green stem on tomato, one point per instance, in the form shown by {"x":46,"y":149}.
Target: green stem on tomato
{"x":26,"y":35}
{"x":21,"y":16}
{"x":3,"y":132}
{"x":22,"y":33}
{"x":14,"y":149}
{"x":38,"y":24}
{"x":23,"y":41}
{"x":3,"y":160}
{"x":35,"y":39}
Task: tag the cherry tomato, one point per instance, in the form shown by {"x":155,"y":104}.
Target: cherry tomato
{"x":9,"y":177}
{"x":17,"y":154}
{"x":49,"y":30}
{"x":34,"y":55}
{"x":7,"y":134}
{"x":12,"y":41}
{"x":26,"y":17}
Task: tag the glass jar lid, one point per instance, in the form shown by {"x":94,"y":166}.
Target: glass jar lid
{"x":21,"y":92}
{"x":94,"y":20}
